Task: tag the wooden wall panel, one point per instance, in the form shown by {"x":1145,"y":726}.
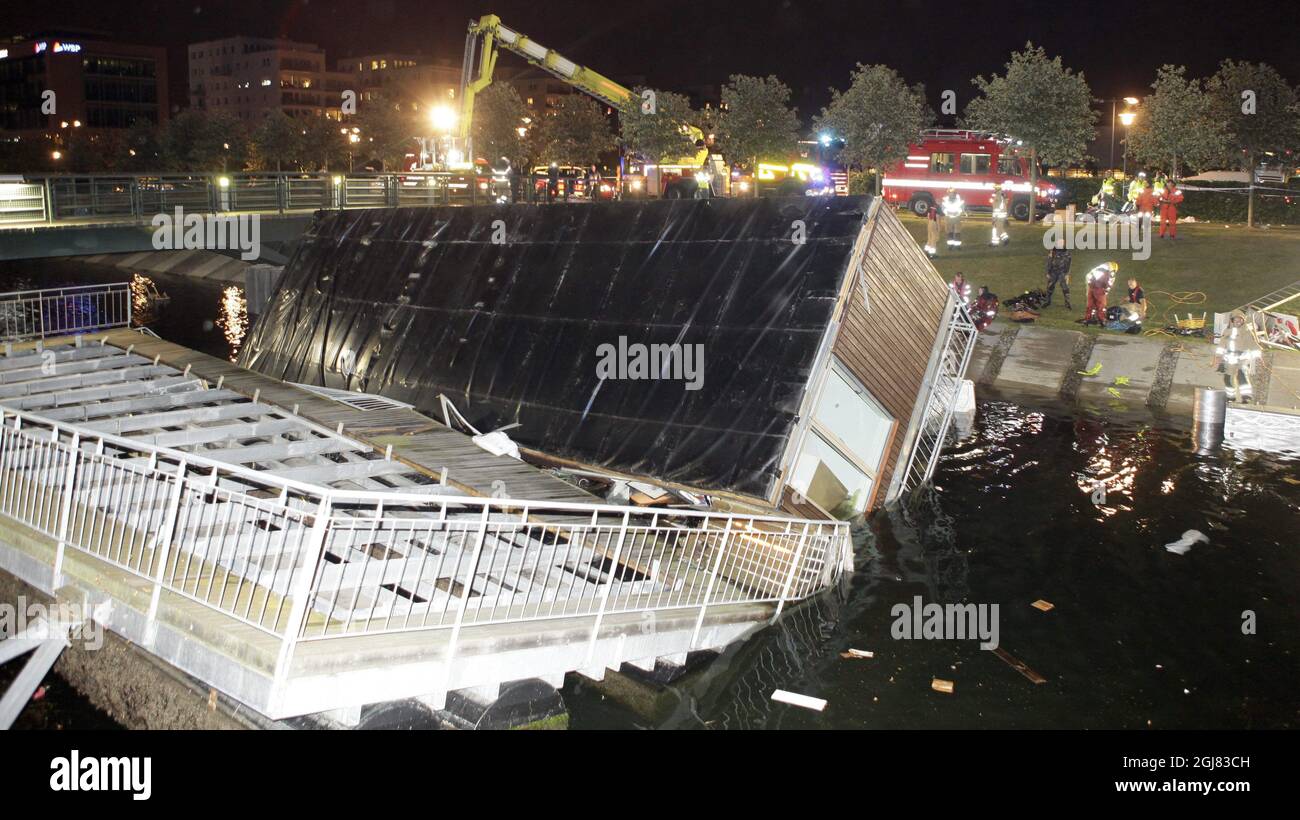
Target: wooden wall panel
{"x":886,"y":339}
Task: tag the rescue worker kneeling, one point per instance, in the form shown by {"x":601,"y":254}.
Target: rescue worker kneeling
{"x":985,"y":309}
{"x":1099,"y":280}
{"x":1237,"y":351}
{"x":953,"y":207}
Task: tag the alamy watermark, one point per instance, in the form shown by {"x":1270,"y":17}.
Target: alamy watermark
{"x":945,"y":622}
{"x":1086,"y":233}
{"x":636,"y":361}
{"x":75,"y":773}
{"x":211,"y":232}
{"x":39,"y":621}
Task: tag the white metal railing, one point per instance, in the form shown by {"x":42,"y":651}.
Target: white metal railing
{"x":21,"y":202}
{"x":303,"y":562}
{"x":28,"y":314}
{"x":948,"y":370}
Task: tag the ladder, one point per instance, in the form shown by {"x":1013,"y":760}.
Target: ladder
{"x":1273,"y":300}
{"x":46,"y":643}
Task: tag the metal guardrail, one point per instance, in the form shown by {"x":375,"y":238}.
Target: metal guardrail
{"x":302,"y":562}
{"x":21,"y":202}
{"x":944,"y":380}
{"x":60,"y":198}
{"x":28,"y":314}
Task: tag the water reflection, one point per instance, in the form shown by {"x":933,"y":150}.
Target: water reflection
{"x":146,"y":300}
{"x":233,"y":318}
{"x":1139,"y":637}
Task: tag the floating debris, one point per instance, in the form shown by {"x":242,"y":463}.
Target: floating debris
{"x":1043,"y":606}
{"x":794,"y":699}
{"x":1019,"y":665}
{"x":857,"y":653}
{"x":1182,"y":545}
{"x":941,"y":685}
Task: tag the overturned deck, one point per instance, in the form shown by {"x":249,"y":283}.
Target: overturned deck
{"x":304,"y":554}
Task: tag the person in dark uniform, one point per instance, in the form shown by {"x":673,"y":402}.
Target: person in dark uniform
{"x":986,"y":308}
{"x":1058,"y":273}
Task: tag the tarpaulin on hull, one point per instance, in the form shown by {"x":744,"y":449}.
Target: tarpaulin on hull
{"x":532,"y":315}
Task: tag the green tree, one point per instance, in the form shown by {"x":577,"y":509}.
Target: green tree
{"x":1040,"y":102}
{"x":275,"y":143}
{"x":1174,"y":127}
{"x":498,"y":115}
{"x":1259,"y":112}
{"x":198,"y":141}
{"x":756,"y":119}
{"x":878,"y":117}
{"x":661,"y":128}
{"x":143,"y":147}
{"x":576,"y":132}
{"x":387,"y":133}
{"x":322,"y":144}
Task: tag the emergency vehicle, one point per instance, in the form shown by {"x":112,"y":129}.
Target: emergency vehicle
{"x":971,"y":162}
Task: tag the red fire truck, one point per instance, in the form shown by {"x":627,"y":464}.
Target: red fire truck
{"x":970,"y":162}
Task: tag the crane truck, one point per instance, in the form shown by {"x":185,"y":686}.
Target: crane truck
{"x":698,"y":175}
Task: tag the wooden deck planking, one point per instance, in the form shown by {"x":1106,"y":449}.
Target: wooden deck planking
{"x":417,"y":440}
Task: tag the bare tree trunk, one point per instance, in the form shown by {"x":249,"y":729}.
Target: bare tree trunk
{"x":1033,"y":184}
{"x":1250,"y":197}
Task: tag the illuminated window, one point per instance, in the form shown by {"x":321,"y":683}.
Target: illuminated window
{"x":976,"y":163}
{"x":941,"y":164}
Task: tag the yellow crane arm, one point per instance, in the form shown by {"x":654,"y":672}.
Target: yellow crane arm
{"x":487,"y":35}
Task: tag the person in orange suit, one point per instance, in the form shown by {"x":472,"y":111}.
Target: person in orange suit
{"x":1146,"y":205}
{"x":1169,"y":200}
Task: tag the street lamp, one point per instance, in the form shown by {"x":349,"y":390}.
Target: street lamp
{"x":1126,"y":119}
{"x":1114,"y":101}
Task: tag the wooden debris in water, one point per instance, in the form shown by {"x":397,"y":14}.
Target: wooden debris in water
{"x":1042,"y":605}
{"x":1019,"y":665}
{"x":941,"y":685}
{"x":858,"y":653}
{"x":794,"y":699}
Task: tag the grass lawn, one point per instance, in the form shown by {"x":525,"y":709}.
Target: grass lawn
{"x":1229,"y":265}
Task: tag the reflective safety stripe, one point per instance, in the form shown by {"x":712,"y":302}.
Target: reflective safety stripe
{"x":951,"y":183}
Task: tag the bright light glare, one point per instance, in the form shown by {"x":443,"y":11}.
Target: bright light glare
{"x":442,"y":117}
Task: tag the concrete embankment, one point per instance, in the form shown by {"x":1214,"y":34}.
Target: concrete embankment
{"x":192,"y":264}
{"x":1112,"y":372}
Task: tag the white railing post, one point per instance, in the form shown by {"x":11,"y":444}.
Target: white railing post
{"x":162,"y":551}
{"x":794,"y":568}
{"x":713,"y":577}
{"x":65,"y":513}
{"x":311,"y":556}
{"x":604,"y":598}
{"x":469,"y":582}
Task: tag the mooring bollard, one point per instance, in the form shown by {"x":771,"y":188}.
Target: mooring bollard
{"x":1209,"y":411}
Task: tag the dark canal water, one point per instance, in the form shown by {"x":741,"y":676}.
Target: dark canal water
{"x":1138,"y":636}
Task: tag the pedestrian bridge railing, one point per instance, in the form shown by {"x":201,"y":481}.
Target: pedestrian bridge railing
{"x":302,"y":562}
{"x":35,"y":314}
{"x":94,"y":198}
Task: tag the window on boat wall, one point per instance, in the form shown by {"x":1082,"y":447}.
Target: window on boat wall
{"x":844,"y":448}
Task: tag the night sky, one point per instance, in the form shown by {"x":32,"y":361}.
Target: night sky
{"x":679,"y":44}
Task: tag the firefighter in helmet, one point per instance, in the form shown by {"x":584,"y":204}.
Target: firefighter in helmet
{"x":1105,"y":197}
{"x":1135,"y":189}
{"x":953,"y":208}
{"x":1100,"y":279}
{"x":999,"y":203}
{"x":1237,"y":352}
